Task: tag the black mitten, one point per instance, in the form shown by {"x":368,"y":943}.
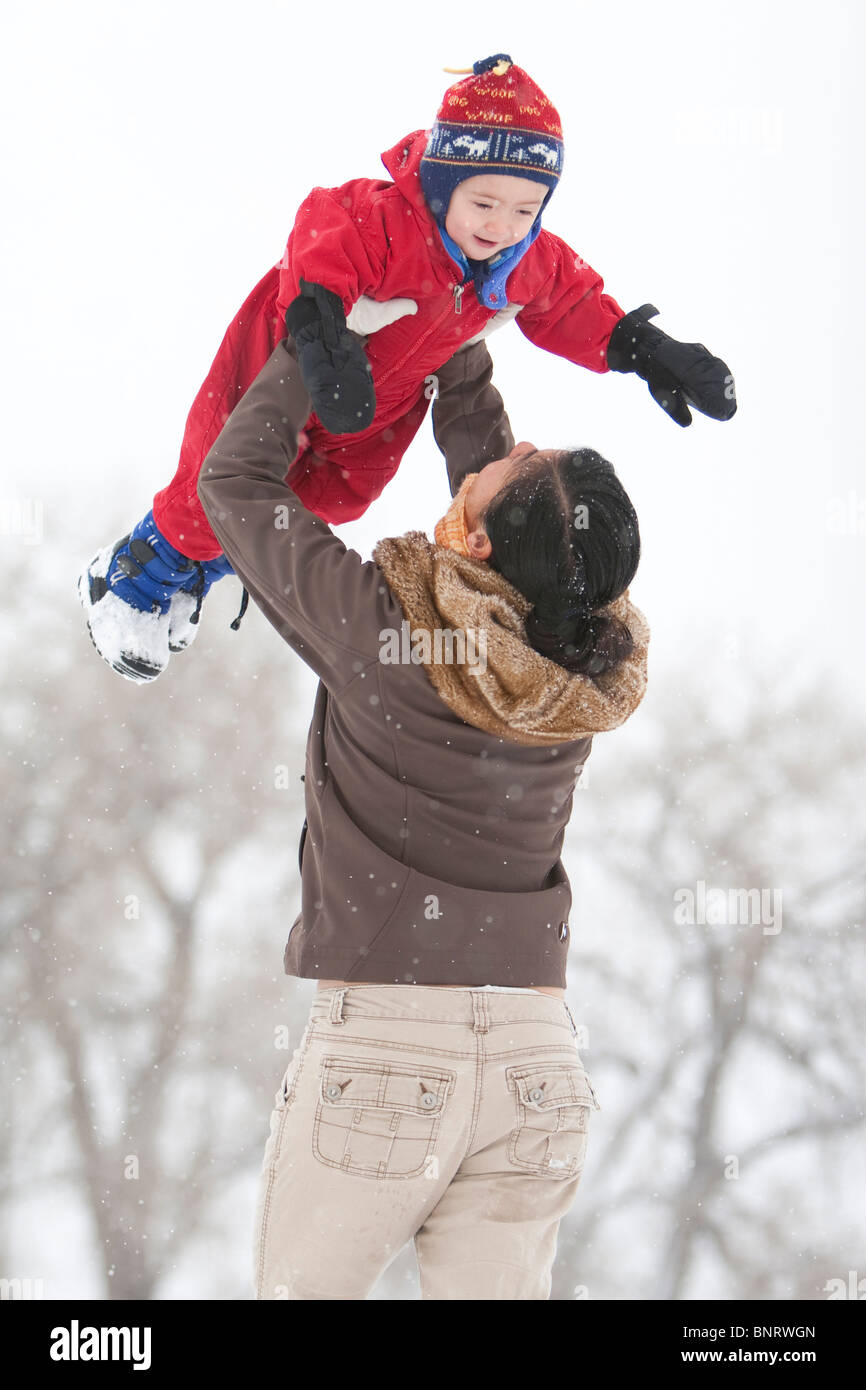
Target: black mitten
{"x":679,"y":375}
{"x":332,"y":360}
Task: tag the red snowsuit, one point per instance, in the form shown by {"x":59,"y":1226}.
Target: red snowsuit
{"x":374,"y":238}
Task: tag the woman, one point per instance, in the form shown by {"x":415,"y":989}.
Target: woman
{"x":437,"y":1092}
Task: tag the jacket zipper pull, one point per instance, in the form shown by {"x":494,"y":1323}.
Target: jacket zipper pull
{"x":458,"y":296}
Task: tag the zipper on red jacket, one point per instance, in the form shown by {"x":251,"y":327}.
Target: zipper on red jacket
{"x":395,"y":366}
{"x":457,"y":291}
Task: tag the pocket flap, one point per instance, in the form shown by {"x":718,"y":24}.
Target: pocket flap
{"x":545,"y":1087}
{"x":384,"y":1085}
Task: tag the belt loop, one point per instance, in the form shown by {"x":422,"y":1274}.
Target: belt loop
{"x":336,"y":1014}
{"x":480,"y":1020}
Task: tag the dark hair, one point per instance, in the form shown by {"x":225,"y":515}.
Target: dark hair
{"x":564,"y":532}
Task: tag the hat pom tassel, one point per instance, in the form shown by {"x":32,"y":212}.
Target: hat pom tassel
{"x":498,"y":64}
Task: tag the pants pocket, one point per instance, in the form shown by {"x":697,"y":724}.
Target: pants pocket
{"x":286,"y":1088}
{"x":553,"y":1101}
{"x":379,"y":1119}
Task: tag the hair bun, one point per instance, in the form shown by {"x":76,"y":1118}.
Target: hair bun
{"x":562,"y":613}
{"x":580,"y":639}
{"x":612,"y":642}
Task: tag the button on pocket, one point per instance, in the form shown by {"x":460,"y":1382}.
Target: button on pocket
{"x":553,"y":1102}
{"x":379,"y":1119}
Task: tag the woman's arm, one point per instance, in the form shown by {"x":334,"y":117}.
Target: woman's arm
{"x":323,"y":599}
{"x":469,"y":420}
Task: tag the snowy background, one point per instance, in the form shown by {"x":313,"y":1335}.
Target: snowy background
{"x":153,"y":158}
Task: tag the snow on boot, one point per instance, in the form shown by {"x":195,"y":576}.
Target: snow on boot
{"x":181,"y":628}
{"x":186,"y":604}
{"x":126,"y":593}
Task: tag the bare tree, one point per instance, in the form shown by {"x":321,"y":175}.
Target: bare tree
{"x":730,"y":1033}
{"x":151,"y":857}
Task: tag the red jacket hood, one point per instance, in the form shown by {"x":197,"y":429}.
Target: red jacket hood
{"x":402,"y":162}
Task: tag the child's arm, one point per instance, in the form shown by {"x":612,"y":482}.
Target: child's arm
{"x":469,"y":420}
{"x":336,"y":254}
{"x":574,"y":318}
{"x":341,"y":245}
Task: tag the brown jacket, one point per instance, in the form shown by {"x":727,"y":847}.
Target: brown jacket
{"x":439,"y":778}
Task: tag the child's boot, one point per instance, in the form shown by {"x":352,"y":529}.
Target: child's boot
{"x":142,"y":599}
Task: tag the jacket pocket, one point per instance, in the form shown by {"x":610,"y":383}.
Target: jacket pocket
{"x":379,"y":1119}
{"x":301,"y":847}
{"x":552,"y":1103}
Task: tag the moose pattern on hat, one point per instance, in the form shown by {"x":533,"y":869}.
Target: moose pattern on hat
{"x":511,"y":148}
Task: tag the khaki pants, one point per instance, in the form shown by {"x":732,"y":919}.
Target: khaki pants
{"x":457,"y":1118}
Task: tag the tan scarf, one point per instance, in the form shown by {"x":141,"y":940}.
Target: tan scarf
{"x":519,"y":694}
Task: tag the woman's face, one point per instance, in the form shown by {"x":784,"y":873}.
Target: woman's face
{"x":490,"y":480}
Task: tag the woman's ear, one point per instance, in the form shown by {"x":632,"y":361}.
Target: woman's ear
{"x":478,"y":545}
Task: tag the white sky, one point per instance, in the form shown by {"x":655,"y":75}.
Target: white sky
{"x":153,"y":159}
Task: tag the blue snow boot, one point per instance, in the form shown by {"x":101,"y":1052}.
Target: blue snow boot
{"x":143,"y":598}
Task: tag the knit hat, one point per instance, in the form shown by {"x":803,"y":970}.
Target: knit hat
{"x":496,"y":121}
